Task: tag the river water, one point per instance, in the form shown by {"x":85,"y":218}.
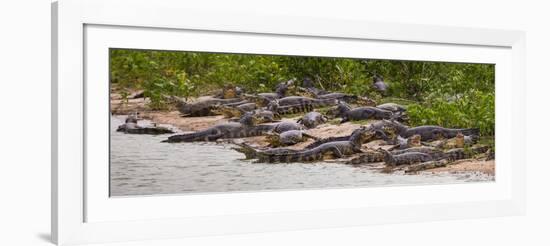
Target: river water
{"x":142,"y":165}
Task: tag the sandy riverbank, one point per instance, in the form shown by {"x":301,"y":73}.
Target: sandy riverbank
{"x":185,"y":124}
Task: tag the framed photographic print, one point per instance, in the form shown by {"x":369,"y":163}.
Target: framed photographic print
{"x":168,"y":125}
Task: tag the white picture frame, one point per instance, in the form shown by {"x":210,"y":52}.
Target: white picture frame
{"x":82,"y":212}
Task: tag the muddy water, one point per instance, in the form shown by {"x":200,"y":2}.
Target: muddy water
{"x":142,"y":165}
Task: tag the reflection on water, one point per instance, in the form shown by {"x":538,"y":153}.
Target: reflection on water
{"x":142,"y":165}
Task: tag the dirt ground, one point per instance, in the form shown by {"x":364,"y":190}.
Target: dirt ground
{"x":486,"y":167}
{"x":186,"y":124}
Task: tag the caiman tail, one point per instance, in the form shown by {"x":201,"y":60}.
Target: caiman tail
{"x":295,"y":109}
{"x":324,"y":102}
{"x":326,"y":140}
{"x":265,"y":156}
{"x":189,"y":137}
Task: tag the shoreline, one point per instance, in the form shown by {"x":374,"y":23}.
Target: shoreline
{"x":187,"y":124}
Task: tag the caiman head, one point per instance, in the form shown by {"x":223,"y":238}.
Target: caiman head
{"x":283,"y":87}
{"x":266,"y":116}
{"x":459,"y":140}
{"x":227,"y":112}
{"x":340,"y":109}
{"x":258,"y":100}
{"x":229,"y":91}
{"x":388,"y":157}
{"x":399,"y":116}
{"x":273,"y":106}
{"x":400,"y":128}
{"x":414,"y":141}
{"x":274,"y":139}
{"x":183,"y":107}
{"x":361,"y":136}
{"x":250,"y":119}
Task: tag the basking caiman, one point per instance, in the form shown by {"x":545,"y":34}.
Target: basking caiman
{"x":285,"y":126}
{"x":203,"y":107}
{"x":451,"y":155}
{"x":234,"y":111}
{"x":405,"y":143}
{"x":134,"y":128}
{"x":308,"y":86}
{"x":252,"y":153}
{"x":266,"y":116}
{"x":325,"y":151}
{"x":132,"y":118}
{"x":383,"y":129}
{"x":430,"y":133}
{"x":229,"y":91}
{"x":299,"y":100}
{"x":344,"y":111}
{"x":393,"y":107}
{"x":246,"y":127}
{"x":280,"y":91}
{"x":348,"y":98}
{"x":287,"y":138}
{"x":312,"y":119}
{"x":289,"y":109}
{"x":405,"y":158}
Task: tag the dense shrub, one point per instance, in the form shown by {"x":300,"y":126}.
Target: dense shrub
{"x":472,"y":109}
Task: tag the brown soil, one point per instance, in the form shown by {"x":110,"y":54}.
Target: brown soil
{"x":487,"y":167}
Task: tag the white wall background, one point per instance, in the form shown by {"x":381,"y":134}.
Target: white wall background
{"x":25,"y":122}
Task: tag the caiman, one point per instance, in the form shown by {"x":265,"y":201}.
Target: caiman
{"x":134,"y":128}
{"x":438,"y":154}
{"x":430,"y":133}
{"x":405,"y":158}
{"x":459,"y":141}
{"x":412,"y":141}
{"x":299,"y":100}
{"x":252,"y":153}
{"x":348,"y":98}
{"x":234,"y":111}
{"x":331,"y":150}
{"x":266,"y":116}
{"x":309,"y":87}
{"x":263,"y":116}
{"x":368,"y":156}
{"x":246,"y":127}
{"x":285,"y":126}
{"x":203,"y":107}
{"x":229,"y":91}
{"x":312,"y":119}
{"x":393,"y":107}
{"x":132,"y":118}
{"x":280,"y":91}
{"x":287,"y":138}
{"x":290,"y":109}
{"x":344,"y":111}
{"x":410,"y":155}
{"x":384,"y":130}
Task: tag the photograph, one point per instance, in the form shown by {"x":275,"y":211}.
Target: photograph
{"x":188,"y":122}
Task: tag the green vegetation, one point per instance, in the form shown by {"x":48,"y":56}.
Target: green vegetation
{"x":446,"y":94}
